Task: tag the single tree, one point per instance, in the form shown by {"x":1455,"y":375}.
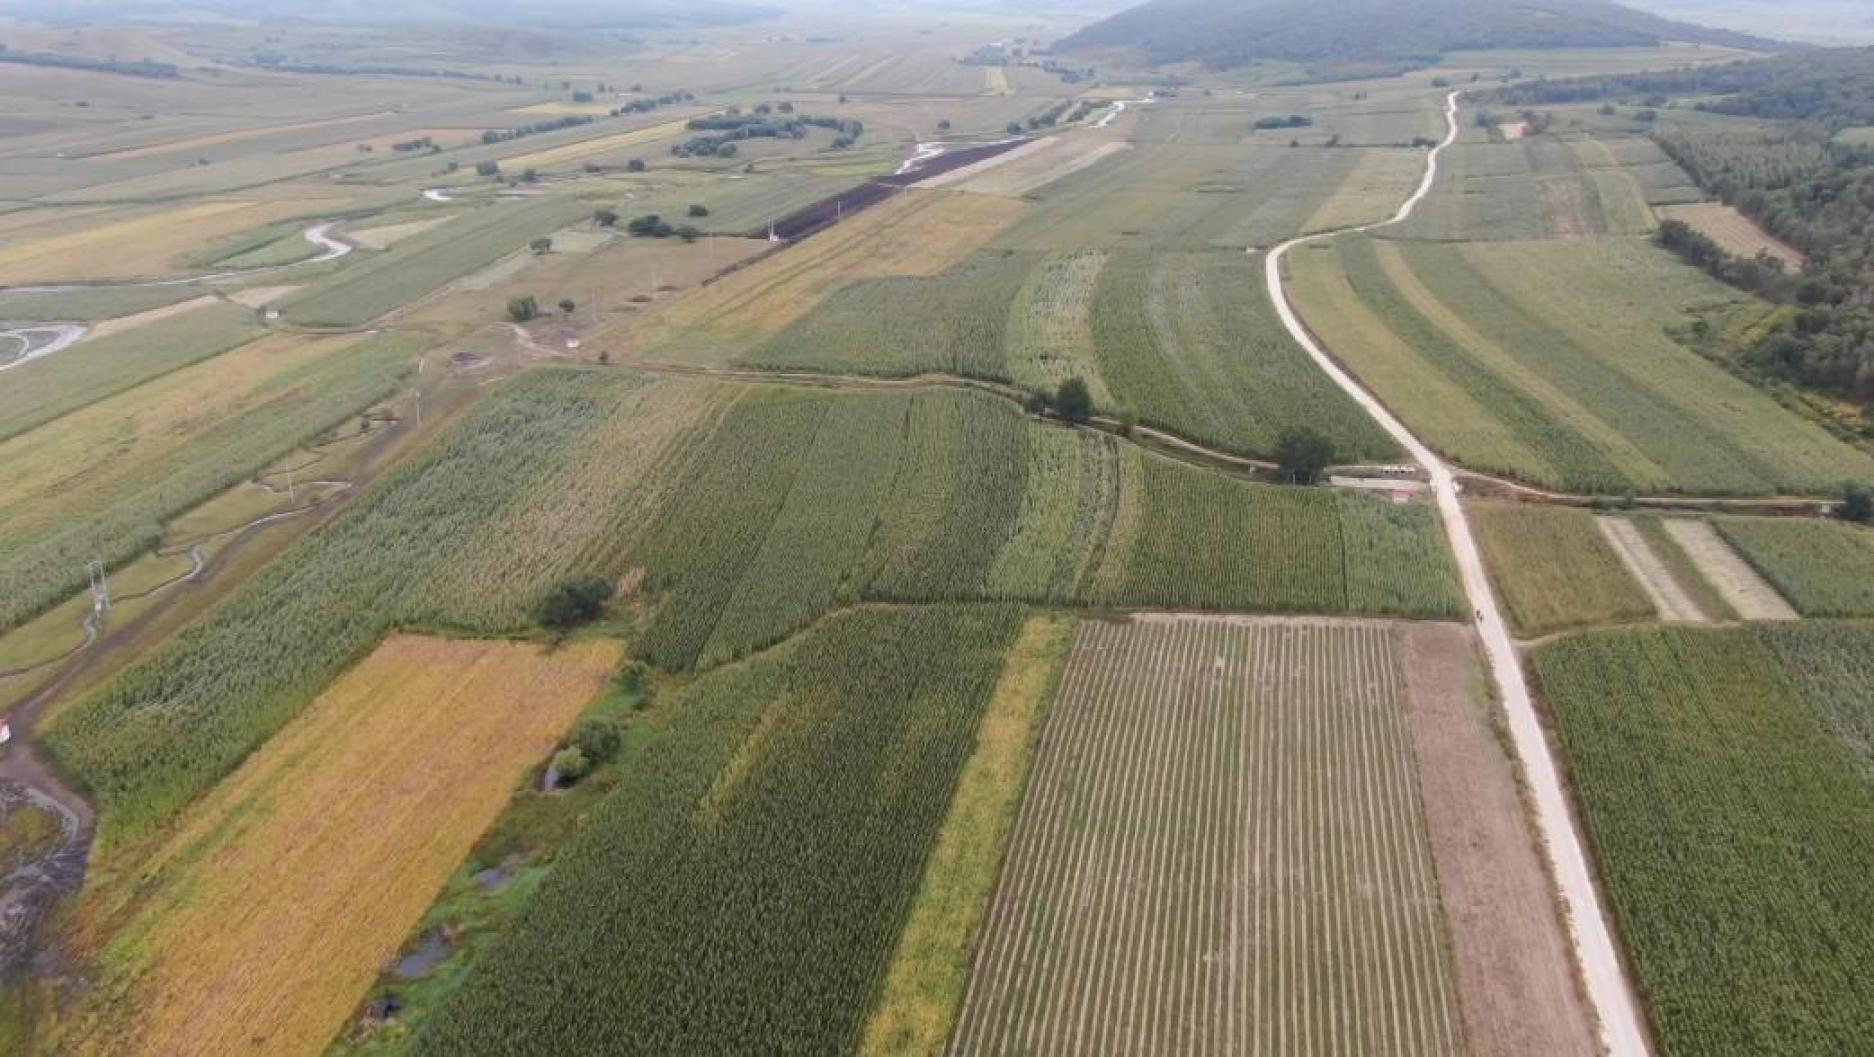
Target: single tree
{"x":635,"y":165}
{"x":1302,"y":455}
{"x":1072,"y":401}
{"x":523,"y":309}
{"x":598,"y":739}
{"x":944,"y":125}
{"x":699,"y":210}
{"x":488,"y":168}
{"x":543,"y":244}
{"x":567,"y":305}
{"x":605,"y":218}
{"x":1857,"y":503}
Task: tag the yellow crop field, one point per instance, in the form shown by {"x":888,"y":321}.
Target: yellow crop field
{"x":561,"y":108}
{"x":303,"y":872}
{"x":917,"y":233}
{"x":586,"y":148}
{"x":996,"y":81}
{"x":147,"y":245}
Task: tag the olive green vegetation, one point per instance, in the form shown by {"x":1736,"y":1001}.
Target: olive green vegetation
{"x":743,"y":889}
{"x":38,"y":391}
{"x":1685,"y":572}
{"x":1824,"y":569}
{"x":1723,"y":778}
{"x":1553,"y":568}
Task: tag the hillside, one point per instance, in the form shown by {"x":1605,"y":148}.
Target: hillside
{"x":1224,"y":33}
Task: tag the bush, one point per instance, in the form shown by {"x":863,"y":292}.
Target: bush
{"x":597,"y":739}
{"x":575,"y":602}
{"x":542,"y":244}
{"x":523,"y":309}
{"x":1857,"y":504}
{"x":570,"y":765}
{"x":636,"y":165}
{"x":699,"y":211}
{"x":1073,"y":401}
{"x":488,"y":168}
{"x":605,"y":218}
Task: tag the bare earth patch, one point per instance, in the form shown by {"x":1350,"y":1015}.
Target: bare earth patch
{"x":1515,"y":969}
{"x":1748,"y":593}
{"x":1650,"y":572}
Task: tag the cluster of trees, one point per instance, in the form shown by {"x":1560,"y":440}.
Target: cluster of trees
{"x":1291,"y":121}
{"x":503,"y":135}
{"x":646,"y":105}
{"x":145,"y":68}
{"x":652,"y":226}
{"x":411,"y":146}
{"x":282,"y":64}
{"x":767,"y":121}
{"x":1833,"y":86}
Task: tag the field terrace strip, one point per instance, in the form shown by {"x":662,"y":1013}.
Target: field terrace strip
{"x":1221,"y":851}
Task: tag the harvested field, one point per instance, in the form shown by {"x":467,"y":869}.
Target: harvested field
{"x":1027,"y":172}
{"x":301,"y":874}
{"x":1736,"y":233}
{"x":1649,"y":570}
{"x":1221,"y":849}
{"x":148,"y":245}
{"x":1371,"y":191}
{"x":1514,"y":963}
{"x":1747,"y":593}
{"x":121,"y":324}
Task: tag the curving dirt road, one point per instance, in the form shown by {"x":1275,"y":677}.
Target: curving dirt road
{"x":1607,"y":987}
{"x":25,"y":344}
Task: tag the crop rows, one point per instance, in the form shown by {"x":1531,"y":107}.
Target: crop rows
{"x":743,"y":891}
{"x":1220,"y":851}
{"x":1554,"y":569}
{"x":1734,"y":832}
{"x":1824,"y":570}
{"x":802,"y":502}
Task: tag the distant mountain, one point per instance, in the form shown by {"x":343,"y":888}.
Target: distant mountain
{"x":1223,"y":33}
{"x":554,"y":14}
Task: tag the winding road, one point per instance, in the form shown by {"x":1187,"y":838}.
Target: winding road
{"x":1605,"y":977}
{"x":330,"y":246}
{"x":25,"y":344}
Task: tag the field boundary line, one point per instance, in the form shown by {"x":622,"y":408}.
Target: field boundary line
{"x":1604,"y":975}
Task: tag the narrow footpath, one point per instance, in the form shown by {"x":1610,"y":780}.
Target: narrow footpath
{"x":1609,"y":991}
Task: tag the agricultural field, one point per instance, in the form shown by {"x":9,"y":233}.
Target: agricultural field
{"x":1733,"y":231}
{"x":1554,"y":569}
{"x":1824,"y":570}
{"x":1187,"y":342}
{"x":38,"y":391}
{"x":302,"y":838}
{"x":829,"y":762}
{"x":1221,"y":844}
{"x":74,"y":494}
{"x":1542,"y":362}
{"x":1743,"y":752}
{"x":422,"y":264}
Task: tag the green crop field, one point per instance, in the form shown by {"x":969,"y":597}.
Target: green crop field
{"x":149,"y":742}
{"x":1222,"y":826}
{"x":1549,"y":363}
{"x":1188,"y":342}
{"x":61,"y":518}
{"x":802,"y":500}
{"x":38,"y":391}
{"x":421,"y":264}
{"x":745,"y":889}
{"x":1553,"y":569}
{"x":1825,"y":570}
{"x":1723,"y":781}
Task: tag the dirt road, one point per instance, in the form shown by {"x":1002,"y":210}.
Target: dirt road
{"x":330,"y":246}
{"x":1608,"y":989}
